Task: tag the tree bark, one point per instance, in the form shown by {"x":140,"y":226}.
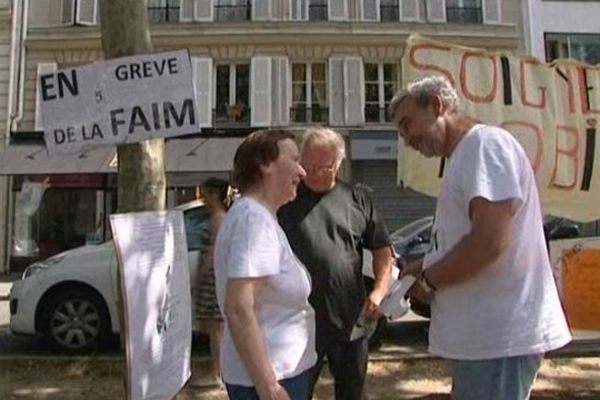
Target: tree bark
{"x":141,"y":171}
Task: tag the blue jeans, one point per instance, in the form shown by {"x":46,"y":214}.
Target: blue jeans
{"x":296,"y":387}
{"x":508,"y":378}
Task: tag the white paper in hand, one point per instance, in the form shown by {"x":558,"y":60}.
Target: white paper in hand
{"x":394,"y":305}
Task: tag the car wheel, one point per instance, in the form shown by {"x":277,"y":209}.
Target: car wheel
{"x":76,"y":320}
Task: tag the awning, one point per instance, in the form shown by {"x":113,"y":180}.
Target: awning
{"x":201,"y":154}
{"x":182,"y":155}
{"x":33,"y":159}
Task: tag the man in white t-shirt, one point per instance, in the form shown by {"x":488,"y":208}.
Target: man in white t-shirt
{"x":495,"y":308}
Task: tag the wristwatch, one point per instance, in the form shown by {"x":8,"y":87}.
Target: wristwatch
{"x":425,"y":284}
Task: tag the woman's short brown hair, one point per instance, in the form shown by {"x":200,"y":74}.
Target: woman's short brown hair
{"x":258,"y":149}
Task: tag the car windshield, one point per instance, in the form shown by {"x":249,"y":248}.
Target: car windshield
{"x":410,"y":229}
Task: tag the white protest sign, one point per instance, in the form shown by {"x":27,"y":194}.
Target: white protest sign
{"x":154,"y":273}
{"x":124,"y":100}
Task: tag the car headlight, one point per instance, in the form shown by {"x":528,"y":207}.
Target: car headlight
{"x":40,"y":266}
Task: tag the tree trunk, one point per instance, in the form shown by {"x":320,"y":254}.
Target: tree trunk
{"x":141,"y":172}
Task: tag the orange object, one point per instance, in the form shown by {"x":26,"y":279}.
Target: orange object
{"x":581,"y":288}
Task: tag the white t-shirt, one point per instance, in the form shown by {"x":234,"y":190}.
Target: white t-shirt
{"x":250,"y":243}
{"x":512,"y":307}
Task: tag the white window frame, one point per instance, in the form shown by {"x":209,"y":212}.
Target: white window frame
{"x":232,"y":80}
{"x":308,"y":86}
{"x":380,"y":84}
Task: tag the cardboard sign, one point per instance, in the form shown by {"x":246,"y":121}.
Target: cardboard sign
{"x":581,"y":288}
{"x":154,"y":273}
{"x":124,"y":100}
{"x":552,"y":109}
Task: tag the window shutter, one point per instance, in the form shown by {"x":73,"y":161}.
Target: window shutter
{"x":409,"y":10}
{"x":87,"y":11}
{"x":261,"y":10}
{"x":260,"y":89}
{"x":202,"y":73}
{"x":354,"y":108}
{"x":203,"y":10}
{"x":299,"y":10}
{"x":68,"y":12}
{"x":42,"y":69}
{"x":491,"y":11}
{"x":370,"y":10}
{"x":337,"y":10}
{"x":336,"y":88}
{"x":280,"y":99}
{"x":186,"y":10}
{"x":436,"y":10}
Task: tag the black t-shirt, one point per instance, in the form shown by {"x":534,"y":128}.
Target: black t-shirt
{"x":328,"y":232}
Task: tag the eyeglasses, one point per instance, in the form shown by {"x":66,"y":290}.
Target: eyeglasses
{"x":320,"y":169}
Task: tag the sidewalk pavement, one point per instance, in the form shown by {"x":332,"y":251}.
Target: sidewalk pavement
{"x":5,"y":284}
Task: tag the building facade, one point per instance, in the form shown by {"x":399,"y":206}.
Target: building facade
{"x":563,"y":29}
{"x":256,"y":63}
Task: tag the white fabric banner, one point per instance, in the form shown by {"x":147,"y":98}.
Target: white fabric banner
{"x":552,"y":109}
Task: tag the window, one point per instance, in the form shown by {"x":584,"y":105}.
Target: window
{"x":582,"y":47}
{"x":309,"y":92}
{"x":317,"y":10}
{"x":389,"y":10}
{"x":381,"y":83}
{"x":163,"y":11}
{"x":464,"y":11}
{"x":232,"y":94}
{"x":233,"y":10}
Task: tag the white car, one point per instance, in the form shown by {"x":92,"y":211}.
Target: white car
{"x":71,"y":298}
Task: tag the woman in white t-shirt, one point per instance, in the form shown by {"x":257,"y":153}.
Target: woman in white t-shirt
{"x":262,"y":288}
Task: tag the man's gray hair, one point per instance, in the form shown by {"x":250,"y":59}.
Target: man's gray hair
{"x":423,"y":89}
{"x":324,"y":137}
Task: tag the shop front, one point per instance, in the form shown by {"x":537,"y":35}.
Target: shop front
{"x":62,"y":203}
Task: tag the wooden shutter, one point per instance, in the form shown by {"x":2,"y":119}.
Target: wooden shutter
{"x":491,"y":11}
{"x":409,"y":10}
{"x":436,"y":10}
{"x":299,"y":10}
{"x":354,"y":103}
{"x":42,"y":69}
{"x":261,"y":10}
{"x":370,"y":10}
{"x":203,"y":10}
{"x":260,"y":89}
{"x":280,"y":107}
{"x":202,"y":68}
{"x":337,"y":10}
{"x":186,"y":10}
{"x":336,"y":90}
{"x":87,"y":12}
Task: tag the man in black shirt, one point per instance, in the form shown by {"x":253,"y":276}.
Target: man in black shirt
{"x":328,"y":225}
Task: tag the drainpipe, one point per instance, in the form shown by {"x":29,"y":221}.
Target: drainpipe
{"x":19,"y":11}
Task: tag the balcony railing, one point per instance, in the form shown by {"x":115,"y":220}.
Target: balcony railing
{"x":317,"y":12}
{"x":389,"y":12}
{"x":309,"y":115}
{"x":231,"y":115}
{"x":467,"y":15}
{"x":167,"y":13}
{"x":233,"y":13}
{"x":376,"y":114}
